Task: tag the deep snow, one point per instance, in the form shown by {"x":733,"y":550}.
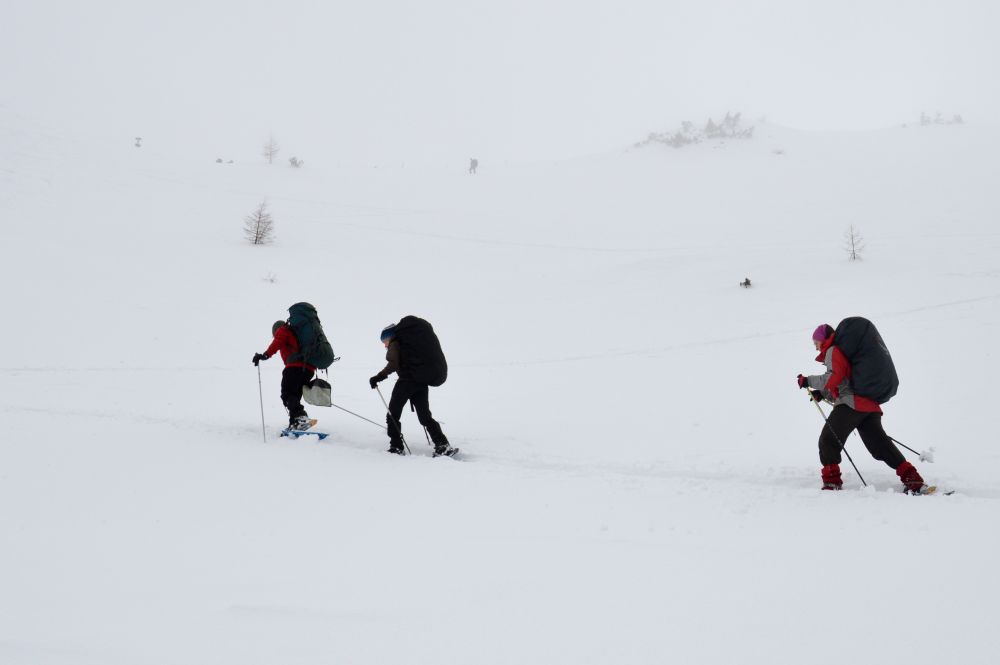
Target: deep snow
{"x":640,"y":481}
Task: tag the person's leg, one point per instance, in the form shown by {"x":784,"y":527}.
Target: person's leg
{"x":878,"y":442}
{"x":292,"y":380}
{"x":421,"y":402}
{"x":400,"y":394}
{"x":883,"y":449}
{"x":839,"y":425}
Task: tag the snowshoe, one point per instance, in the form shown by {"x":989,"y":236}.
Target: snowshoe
{"x":300,"y":427}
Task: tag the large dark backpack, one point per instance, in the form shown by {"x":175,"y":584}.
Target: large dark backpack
{"x":314,"y":349}
{"x":420,"y":356}
{"x":873,"y":374}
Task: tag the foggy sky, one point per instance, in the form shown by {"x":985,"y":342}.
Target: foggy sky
{"x":443,"y":80}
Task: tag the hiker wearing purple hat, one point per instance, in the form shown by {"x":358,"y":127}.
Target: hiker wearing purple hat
{"x":851,"y":412}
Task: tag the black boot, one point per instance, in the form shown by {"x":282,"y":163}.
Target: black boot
{"x":444,"y":449}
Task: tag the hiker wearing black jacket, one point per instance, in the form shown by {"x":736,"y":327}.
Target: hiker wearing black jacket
{"x":418,"y":365}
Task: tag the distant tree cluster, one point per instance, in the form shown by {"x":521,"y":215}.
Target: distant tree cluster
{"x":730,"y":127}
{"x":258,"y":226}
{"x":271,"y":150}
{"x":939,"y":119}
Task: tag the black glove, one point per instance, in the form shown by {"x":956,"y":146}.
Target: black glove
{"x":373,"y":382}
{"x":816,"y":395}
{"x":803,"y":381}
{"x":257,"y":357}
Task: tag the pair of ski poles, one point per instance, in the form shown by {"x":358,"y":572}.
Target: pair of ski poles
{"x":399,"y":428}
{"x":843,"y":444}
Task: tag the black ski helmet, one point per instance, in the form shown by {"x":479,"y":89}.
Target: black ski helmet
{"x":388,"y":333}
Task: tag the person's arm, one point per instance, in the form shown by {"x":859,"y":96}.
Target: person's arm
{"x":392,"y":362}
{"x":276,"y":345}
{"x":283,"y":339}
{"x":841,"y":371}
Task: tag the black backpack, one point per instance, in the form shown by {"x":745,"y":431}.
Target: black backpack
{"x":873,"y":374}
{"x":314,"y":349}
{"x":420,"y":356}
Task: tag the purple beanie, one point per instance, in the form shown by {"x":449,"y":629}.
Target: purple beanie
{"x":822,"y":332}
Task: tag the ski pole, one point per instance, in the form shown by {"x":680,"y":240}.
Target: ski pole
{"x":843,"y":446}
{"x":357,"y":416}
{"x":426,"y":434}
{"x":260,"y":389}
{"x":399,"y":428}
{"x":924,"y":456}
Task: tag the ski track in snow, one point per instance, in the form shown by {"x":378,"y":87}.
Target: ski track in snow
{"x":788,"y":478}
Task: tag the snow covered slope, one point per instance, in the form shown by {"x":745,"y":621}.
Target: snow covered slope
{"x":640,"y":479}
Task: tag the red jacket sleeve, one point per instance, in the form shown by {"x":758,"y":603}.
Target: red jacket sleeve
{"x":280,"y":341}
{"x":841,"y":371}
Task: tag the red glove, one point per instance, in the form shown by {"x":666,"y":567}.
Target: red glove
{"x":803,"y":381}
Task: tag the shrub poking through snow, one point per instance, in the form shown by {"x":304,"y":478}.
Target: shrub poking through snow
{"x":939,"y":119}
{"x":729,"y":127}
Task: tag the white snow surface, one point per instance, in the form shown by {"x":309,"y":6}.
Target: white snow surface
{"x":639,"y":480}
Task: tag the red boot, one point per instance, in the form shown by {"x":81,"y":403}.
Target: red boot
{"x":911,"y":479}
{"x":831,"y":477}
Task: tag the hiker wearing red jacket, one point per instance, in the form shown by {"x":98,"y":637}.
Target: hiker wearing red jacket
{"x":850,"y":412}
{"x":295,"y":375}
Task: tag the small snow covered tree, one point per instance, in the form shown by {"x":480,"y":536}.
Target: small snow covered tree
{"x":295,"y":162}
{"x":258,"y":226}
{"x":271,"y":149}
{"x":853,"y":243}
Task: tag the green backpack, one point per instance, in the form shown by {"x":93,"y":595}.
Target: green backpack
{"x":314,"y":348}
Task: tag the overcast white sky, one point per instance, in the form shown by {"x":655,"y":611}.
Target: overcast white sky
{"x":385,"y":81}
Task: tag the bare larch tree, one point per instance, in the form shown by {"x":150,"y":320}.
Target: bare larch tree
{"x":853,"y":243}
{"x":258,"y":226}
{"x":271,"y":149}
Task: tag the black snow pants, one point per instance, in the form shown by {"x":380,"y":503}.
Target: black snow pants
{"x":842,"y":421}
{"x":292,"y":381}
{"x":416,"y":394}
